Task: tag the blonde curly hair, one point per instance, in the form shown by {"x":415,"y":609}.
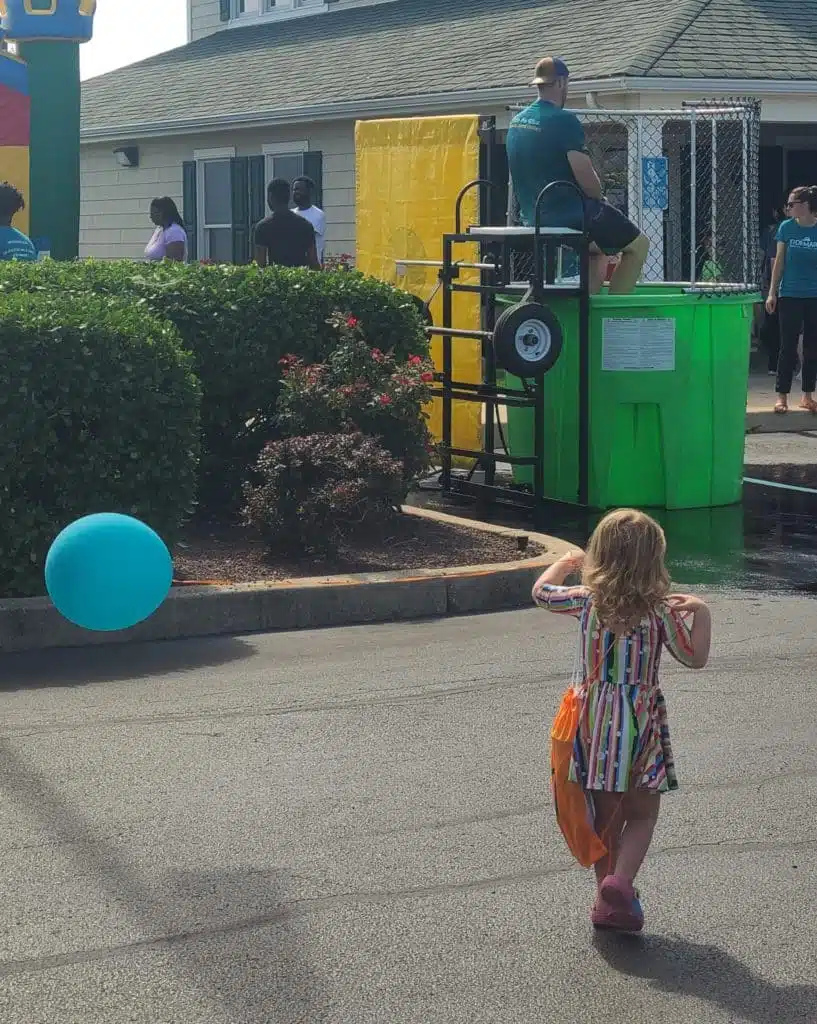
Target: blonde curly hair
{"x":624,"y":567}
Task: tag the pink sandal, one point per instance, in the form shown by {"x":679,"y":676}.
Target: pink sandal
{"x":618,"y":906}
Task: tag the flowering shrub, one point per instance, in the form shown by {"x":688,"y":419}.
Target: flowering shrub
{"x":313,"y":491}
{"x":345,"y":261}
{"x":361,"y":389}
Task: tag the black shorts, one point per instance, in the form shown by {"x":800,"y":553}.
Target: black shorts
{"x":609,"y":228}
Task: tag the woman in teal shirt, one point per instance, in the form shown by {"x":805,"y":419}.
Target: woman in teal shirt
{"x":14,"y":245}
{"x":793,"y":294}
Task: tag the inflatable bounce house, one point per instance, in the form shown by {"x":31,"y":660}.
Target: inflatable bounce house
{"x":39,"y":115}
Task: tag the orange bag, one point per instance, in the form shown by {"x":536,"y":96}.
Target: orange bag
{"x":574,"y":805}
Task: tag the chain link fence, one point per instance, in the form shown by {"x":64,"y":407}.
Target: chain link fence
{"x":689,"y":179}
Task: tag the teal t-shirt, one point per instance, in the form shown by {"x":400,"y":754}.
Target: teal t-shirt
{"x":14,"y":245}
{"x":800,"y":269}
{"x":538,"y":141}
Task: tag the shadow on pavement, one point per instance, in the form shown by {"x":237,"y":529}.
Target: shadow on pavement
{"x":707,"y":973}
{"x":234,"y":936}
{"x":79,"y":666}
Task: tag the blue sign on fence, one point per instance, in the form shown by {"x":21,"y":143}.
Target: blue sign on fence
{"x":655,"y":182}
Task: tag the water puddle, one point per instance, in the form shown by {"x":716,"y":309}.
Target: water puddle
{"x":768,"y":543}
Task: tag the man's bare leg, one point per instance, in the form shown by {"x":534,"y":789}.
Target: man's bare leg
{"x":630,"y":266}
{"x":599,"y":263}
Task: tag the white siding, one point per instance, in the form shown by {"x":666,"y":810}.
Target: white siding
{"x":115,"y":200}
{"x":204,"y":18}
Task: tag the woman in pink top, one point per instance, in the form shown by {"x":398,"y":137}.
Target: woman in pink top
{"x":169,"y":240}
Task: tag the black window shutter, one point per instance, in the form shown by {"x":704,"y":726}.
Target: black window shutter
{"x":258,"y":189}
{"x":224,"y":10}
{"x":240,"y":187}
{"x":190,"y":208}
{"x":313,"y":168}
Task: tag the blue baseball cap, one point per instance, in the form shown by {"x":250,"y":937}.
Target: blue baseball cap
{"x":549,"y":70}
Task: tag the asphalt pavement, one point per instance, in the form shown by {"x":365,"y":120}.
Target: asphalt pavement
{"x":355,"y":826}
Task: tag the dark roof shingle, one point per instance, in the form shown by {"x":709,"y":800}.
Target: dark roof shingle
{"x":423,"y":47}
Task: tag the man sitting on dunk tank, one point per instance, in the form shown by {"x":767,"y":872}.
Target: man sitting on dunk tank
{"x":546,"y":143}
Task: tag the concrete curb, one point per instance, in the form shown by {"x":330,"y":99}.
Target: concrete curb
{"x":34,"y":623}
{"x":767,"y":421}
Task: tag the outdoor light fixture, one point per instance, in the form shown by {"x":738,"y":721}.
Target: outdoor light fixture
{"x":127,"y":156}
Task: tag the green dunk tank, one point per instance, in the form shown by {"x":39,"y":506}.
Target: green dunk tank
{"x":591,"y":402}
{"x":40,"y":114}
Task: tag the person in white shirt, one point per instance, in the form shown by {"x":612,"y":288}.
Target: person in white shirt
{"x":303,"y":192}
{"x":169,"y":240}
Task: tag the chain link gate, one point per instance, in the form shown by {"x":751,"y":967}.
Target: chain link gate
{"x":689,"y":180}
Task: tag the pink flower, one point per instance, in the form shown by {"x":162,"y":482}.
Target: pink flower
{"x":385,"y":399}
{"x":352,"y":321}
{"x":426,"y":377}
{"x":377,"y":355}
{"x":415,"y":360}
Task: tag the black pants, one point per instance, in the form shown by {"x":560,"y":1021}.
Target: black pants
{"x":770,"y":337}
{"x":796,"y":316}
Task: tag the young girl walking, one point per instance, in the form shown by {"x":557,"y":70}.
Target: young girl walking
{"x":621,"y":753}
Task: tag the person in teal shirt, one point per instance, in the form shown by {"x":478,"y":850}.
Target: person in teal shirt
{"x":545,"y":144}
{"x":14,"y":245}
{"x":793,"y":296}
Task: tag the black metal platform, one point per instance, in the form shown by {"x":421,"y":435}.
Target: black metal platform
{"x":494,"y":264}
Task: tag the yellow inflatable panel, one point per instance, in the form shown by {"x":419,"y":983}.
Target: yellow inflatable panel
{"x":409,"y":173}
{"x":14,"y":167}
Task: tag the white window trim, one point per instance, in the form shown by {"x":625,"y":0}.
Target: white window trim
{"x":296,"y":9}
{"x":284,"y":148}
{"x":203,"y":156}
{"x":225,"y":153}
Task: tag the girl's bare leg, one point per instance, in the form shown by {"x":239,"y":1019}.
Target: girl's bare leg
{"x":641,"y":815}
{"x":609,"y":821}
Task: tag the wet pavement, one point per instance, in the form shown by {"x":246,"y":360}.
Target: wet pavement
{"x":768,"y":543}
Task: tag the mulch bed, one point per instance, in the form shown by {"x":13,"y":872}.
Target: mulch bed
{"x":235,"y":554}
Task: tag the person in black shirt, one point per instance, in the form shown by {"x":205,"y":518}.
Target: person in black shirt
{"x":284,"y":238}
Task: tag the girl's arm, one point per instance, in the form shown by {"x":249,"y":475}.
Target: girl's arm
{"x":549,"y":590}
{"x":688,"y":645}
{"x":777,"y":276}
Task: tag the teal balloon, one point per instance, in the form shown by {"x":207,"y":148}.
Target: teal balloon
{"x":108,"y":571}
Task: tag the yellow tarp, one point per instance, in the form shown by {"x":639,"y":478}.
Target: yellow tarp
{"x":14,"y":169}
{"x":409,"y":173}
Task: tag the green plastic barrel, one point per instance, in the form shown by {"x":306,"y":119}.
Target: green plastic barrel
{"x":668,"y":380}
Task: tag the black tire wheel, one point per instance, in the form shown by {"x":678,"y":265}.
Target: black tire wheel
{"x":528,"y":339}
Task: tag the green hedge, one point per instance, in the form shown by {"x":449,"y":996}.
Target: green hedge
{"x":238,"y":322}
{"x":100,"y":412}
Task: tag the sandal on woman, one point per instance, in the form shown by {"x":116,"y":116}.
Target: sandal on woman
{"x":809,"y":405}
{"x":781,"y":407}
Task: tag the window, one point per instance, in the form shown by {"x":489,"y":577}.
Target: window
{"x":215,"y":204}
{"x":285,"y":160}
{"x":288,"y":166}
{"x":239,"y":7}
{"x":289,"y":5}
{"x":216,"y":220}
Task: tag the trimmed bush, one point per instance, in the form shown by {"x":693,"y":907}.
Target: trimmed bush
{"x":315,"y":490}
{"x":100,"y":412}
{"x":238,"y":322}
{"x":361,"y":389}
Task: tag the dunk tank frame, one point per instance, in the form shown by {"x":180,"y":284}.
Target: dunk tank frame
{"x":527,"y":338}
{"x":689,"y":179}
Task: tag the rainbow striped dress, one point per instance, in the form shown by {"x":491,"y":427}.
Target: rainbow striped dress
{"x":623,"y":740}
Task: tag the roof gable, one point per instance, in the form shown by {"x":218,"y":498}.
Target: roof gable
{"x":427,"y":47}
